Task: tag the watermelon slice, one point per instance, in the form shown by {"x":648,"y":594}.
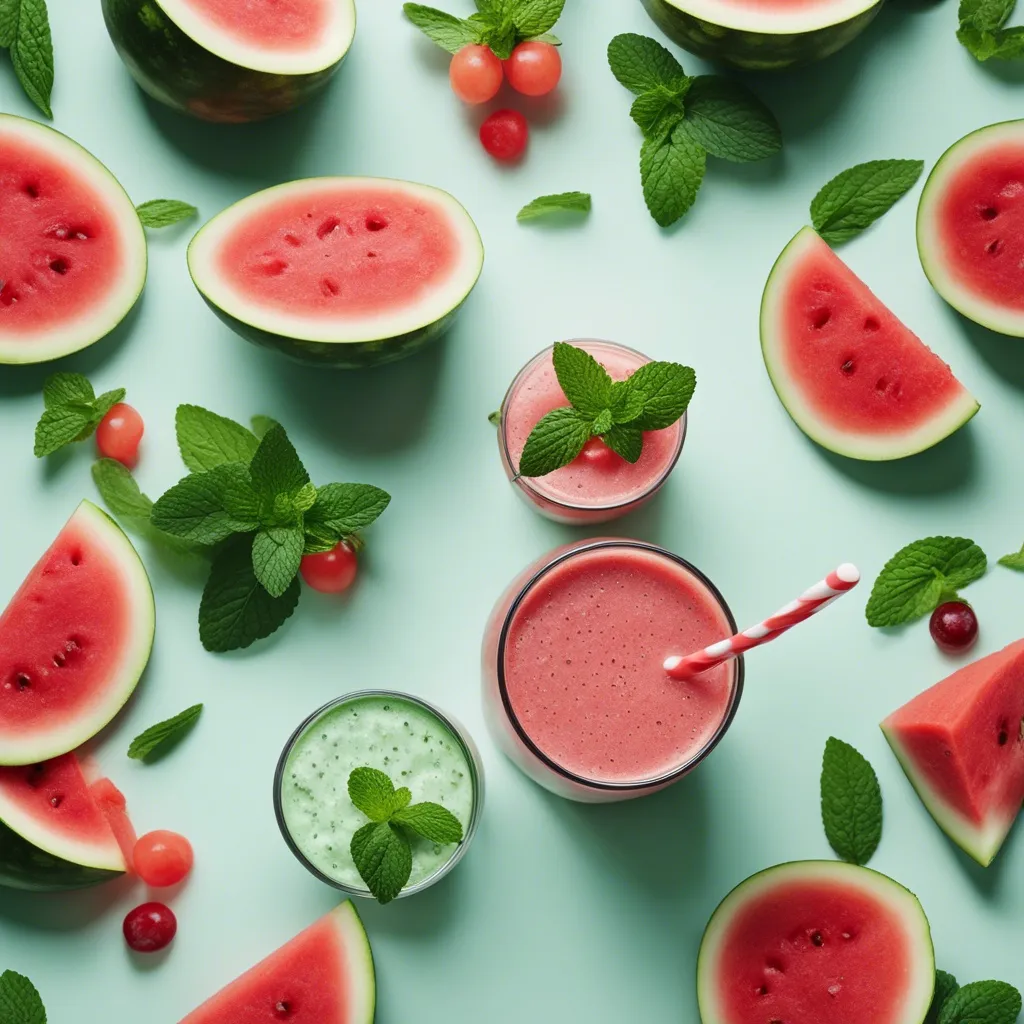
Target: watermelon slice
{"x":231,"y":60}
{"x":323,"y":976}
{"x":73,"y":258}
{"x":961,"y":744}
{"x":73,"y":641}
{"x":816,"y":942}
{"x":54,"y":833}
{"x":851,"y":375}
{"x":341,"y":271}
{"x":970,"y":227}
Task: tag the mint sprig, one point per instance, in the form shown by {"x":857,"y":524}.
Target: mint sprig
{"x":684,"y":120}
{"x":1015,"y":560}
{"x":381,"y":850}
{"x":25,"y":32}
{"x":498,"y":24}
{"x":160,"y":738}
{"x":162,"y":213}
{"x":851,"y":802}
{"x":919,"y":577}
{"x":983,"y":32}
{"x":945,"y":986}
{"x":982,"y":1002}
{"x":72,"y":411}
{"x":554,"y":205}
{"x":654,"y":397}
{"x":20,"y":1002}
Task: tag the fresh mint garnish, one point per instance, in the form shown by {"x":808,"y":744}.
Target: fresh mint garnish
{"x":25,"y":32}
{"x":618,"y":412}
{"x":159,"y":738}
{"x":20,"y":1003}
{"x":72,"y":412}
{"x":919,"y":577}
{"x":498,"y":24}
{"x":983,"y":30}
{"x":945,"y":986}
{"x":685,"y":119}
{"x":162,"y":213}
{"x":1014,"y":561}
{"x":381,"y":850}
{"x":207,"y":440}
{"x":854,"y":199}
{"x":558,"y":203}
{"x":982,"y":1002}
{"x":262,"y":425}
{"x":851,"y":803}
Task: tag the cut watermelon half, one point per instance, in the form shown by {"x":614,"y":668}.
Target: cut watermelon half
{"x":323,"y":976}
{"x":850,"y":374}
{"x":54,"y":832}
{"x":961,"y":744}
{"x":816,"y":942}
{"x":73,"y":259}
{"x":73,"y":641}
{"x":970,"y":227}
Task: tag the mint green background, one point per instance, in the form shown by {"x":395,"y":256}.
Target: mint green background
{"x":560,"y":912}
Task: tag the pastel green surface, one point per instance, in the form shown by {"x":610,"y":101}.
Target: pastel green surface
{"x":559,"y":912}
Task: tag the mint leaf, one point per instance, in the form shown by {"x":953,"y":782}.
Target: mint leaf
{"x":8,"y":21}
{"x":625,"y":440}
{"x":276,"y":467}
{"x":433,"y":822}
{"x":856,"y":198}
{"x":207,"y":440}
{"x":105,"y":403}
{"x":729,"y":121}
{"x":919,"y":576}
{"x":65,"y":388}
{"x":666,"y":389}
{"x":945,"y":986}
{"x":209,"y":507}
{"x":554,"y":442}
{"x":162,"y":213}
{"x":660,"y":109}
{"x":375,"y":795}
{"x":449,"y":32}
{"x":985,"y":15}
{"x":1014,"y":561}
{"x":602,"y":422}
{"x":982,"y":1002}
{"x":583,"y":380}
{"x":62,"y":426}
{"x":641,"y":64}
{"x":671,"y":170}
{"x":851,"y":803}
{"x":276,"y":556}
{"x":383,"y":858}
{"x":343,"y":509}
{"x":262,"y":425}
{"x":533,"y":18}
{"x":20,"y":1003}
{"x":25,"y":29}
{"x":160,"y":737}
{"x":559,"y":202}
{"x":119,"y":490}
{"x":981,"y":30}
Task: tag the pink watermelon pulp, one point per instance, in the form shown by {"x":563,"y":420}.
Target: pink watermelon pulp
{"x":73,"y":641}
{"x":818,"y":941}
{"x":851,"y":375}
{"x":961,"y":744}
{"x":322,"y":976}
{"x":283,"y":25}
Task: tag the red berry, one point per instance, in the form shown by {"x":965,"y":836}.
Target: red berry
{"x":954,"y":626}
{"x":150,"y":928}
{"x":119,"y":434}
{"x":597,"y":454}
{"x":162,"y":858}
{"x":475,"y":73}
{"x":333,"y":571}
{"x":505,"y":134}
{"x":534,"y":68}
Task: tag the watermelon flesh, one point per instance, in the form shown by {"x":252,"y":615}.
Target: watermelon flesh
{"x":961,"y":744}
{"x":282,"y":25}
{"x":851,"y":375}
{"x":323,"y":976}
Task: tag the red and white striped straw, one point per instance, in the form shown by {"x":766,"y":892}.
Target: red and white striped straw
{"x":820,"y":596}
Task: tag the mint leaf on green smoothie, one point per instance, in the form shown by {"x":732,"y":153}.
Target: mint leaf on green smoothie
{"x":919,"y":577}
{"x":375,"y":795}
{"x":1014,"y":561}
{"x":159,"y":738}
{"x":25,"y":32}
{"x":982,"y":1002}
{"x":854,"y":199}
{"x":207,"y":440}
{"x":851,"y":803}
{"x":382,"y":855}
{"x":945,"y":986}
{"x":433,"y":822}
{"x":20,"y":1003}
{"x":983,"y":33}
{"x":162,"y":213}
{"x":554,"y":205}
{"x":71,"y":412}
{"x":262,"y":425}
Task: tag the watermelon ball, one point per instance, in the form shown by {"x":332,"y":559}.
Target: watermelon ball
{"x":475,"y":73}
{"x":162,"y":858}
{"x":331,"y":572}
{"x":954,"y":627}
{"x":119,"y":434}
{"x":597,"y":454}
{"x":150,"y":928}
{"x":534,"y":68}
{"x":505,"y":134}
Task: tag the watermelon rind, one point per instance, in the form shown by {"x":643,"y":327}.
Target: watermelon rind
{"x":378,"y":338}
{"x":19,"y":347}
{"x":878,"y":448}
{"x":759,"y":38}
{"x":901,"y":901}
{"x":180,"y":59}
{"x":59,"y":739}
{"x":930,"y":245}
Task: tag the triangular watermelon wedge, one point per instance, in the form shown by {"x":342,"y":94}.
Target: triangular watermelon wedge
{"x":323,"y":976}
{"x":961,"y":744}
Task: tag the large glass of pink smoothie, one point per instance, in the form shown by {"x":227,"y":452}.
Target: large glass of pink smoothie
{"x":575,"y":691}
{"x":599,"y":485}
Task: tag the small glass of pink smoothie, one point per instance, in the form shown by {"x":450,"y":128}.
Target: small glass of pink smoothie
{"x":599,"y":485}
{"x":575,"y":692}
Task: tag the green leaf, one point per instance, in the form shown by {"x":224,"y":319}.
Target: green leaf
{"x":262,"y":425}
{"x":945,"y":986}
{"x":1014,"y":561}
{"x":666,"y":388}
{"x":641,"y":63}
{"x":276,"y":467}
{"x":496,"y":29}
{"x":449,"y":32}
{"x":383,"y":857}
{"x":856,"y":198}
{"x":535,"y":17}
{"x":162,"y":213}
{"x":159,"y":738}
{"x":209,"y":507}
{"x":119,"y":490}
{"x":32,"y":53}
{"x":343,"y":509}
{"x":920,"y":575}
{"x":276,"y":556}
{"x":985,"y":15}
{"x":102,"y":405}
{"x":60,"y":426}
{"x":554,"y":442}
{"x":1007,"y":44}
{"x":671,"y":170}
{"x":626,"y":440}
{"x":207,"y":440}
{"x":982,"y":1002}
{"x":851,"y":803}
{"x":433,"y":822}
{"x":20,"y":1003}
{"x":375,"y":795}
{"x":8,"y":22}
{"x":659,"y":110}
{"x":67,"y":388}
{"x":730,"y":122}
{"x":557,"y":203}
{"x":583,"y":380}
{"x":602,"y":422}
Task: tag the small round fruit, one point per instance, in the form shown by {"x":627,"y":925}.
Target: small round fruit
{"x":332,"y":571}
{"x":954,"y":627}
{"x":597,"y":454}
{"x":534,"y":68}
{"x":475,"y":73}
{"x":119,"y":434}
{"x":162,"y":858}
{"x":505,"y":134}
{"x":150,"y":928}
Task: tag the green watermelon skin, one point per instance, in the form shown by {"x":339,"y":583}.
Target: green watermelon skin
{"x":24,"y":866}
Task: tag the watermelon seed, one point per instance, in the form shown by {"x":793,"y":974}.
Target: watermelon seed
{"x":847,"y":367}
{"x":329,"y":287}
{"x":371,"y":255}
{"x":994,"y":247}
{"x":8,"y":296}
{"x":820,"y":317}
{"x":56,"y":801}
{"x":817,"y":940}
{"x":374,"y":223}
{"x":292,"y":239}
{"x":1004,"y":734}
{"x":59,"y":266}
{"x":989,"y":213}
{"x":283,"y":1009}
{"x":23,"y":681}
{"x":274,"y":268}
{"x":59,"y":660}
{"x":328,"y":227}
{"x":871,"y":324}
{"x":59,"y":231}
{"x":761,"y":990}
{"x":32,"y":191}
{"x":882,"y":384}
{"x":76,"y":558}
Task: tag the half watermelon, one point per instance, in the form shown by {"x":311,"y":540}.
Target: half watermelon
{"x":851,"y":375}
{"x":323,"y":976}
{"x":345,"y":272}
{"x":73,"y":641}
{"x":73,"y":259}
{"x":961,"y":744}
{"x":816,"y":942}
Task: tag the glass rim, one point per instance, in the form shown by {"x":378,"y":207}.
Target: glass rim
{"x":476,"y":778}
{"x":666,"y":778}
{"x":531,"y":489}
